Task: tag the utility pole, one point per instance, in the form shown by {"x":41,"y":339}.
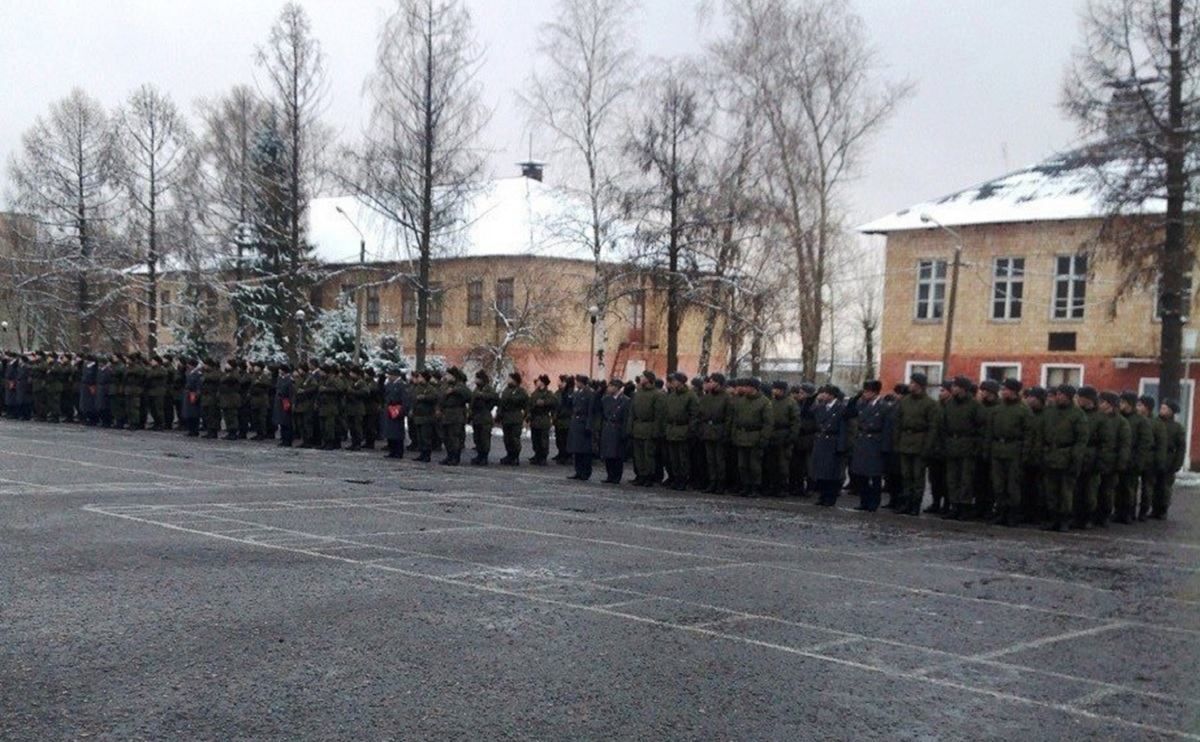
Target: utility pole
{"x":358,"y":309}
{"x":958,"y":248}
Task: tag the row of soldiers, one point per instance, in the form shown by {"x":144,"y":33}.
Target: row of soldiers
{"x":990,"y":451}
{"x":1066,"y":457}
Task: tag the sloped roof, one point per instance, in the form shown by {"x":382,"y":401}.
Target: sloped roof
{"x":1066,"y":186}
{"x":505,"y":216}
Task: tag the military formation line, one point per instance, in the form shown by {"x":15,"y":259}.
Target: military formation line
{"x":1060,"y":457}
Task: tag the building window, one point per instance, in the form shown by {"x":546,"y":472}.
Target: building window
{"x":505,"y":299}
{"x":408,"y":305}
{"x":1070,"y":286}
{"x":931,"y":369}
{"x":1008,"y":287}
{"x":475,"y":303}
{"x":1057,"y":374}
{"x":638,"y":316}
{"x":164,"y":307}
{"x":1185,"y":299}
{"x":931,"y":289}
{"x":346,"y":293}
{"x":437,"y":298}
{"x":1000,"y":371}
{"x":372,"y":318}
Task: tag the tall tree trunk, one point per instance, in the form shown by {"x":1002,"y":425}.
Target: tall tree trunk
{"x":152,"y":264}
{"x":673,"y":287}
{"x":758,"y":305}
{"x":1175,"y":248}
{"x":426,"y":203}
{"x":869,"y":345}
{"x":706,"y":340}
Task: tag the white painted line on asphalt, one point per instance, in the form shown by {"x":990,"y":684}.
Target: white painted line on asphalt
{"x":834,"y":643}
{"x":1056,"y":638}
{"x":676,"y":570}
{"x":1094,"y":697}
{"x":953,"y":658}
{"x":716,"y":622}
{"x":552,"y":534}
{"x":414,"y":532}
{"x":806,"y":571}
{"x":886,"y":671}
{"x":93,"y":465}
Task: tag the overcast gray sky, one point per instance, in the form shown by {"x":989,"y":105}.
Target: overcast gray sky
{"x":988,"y":72}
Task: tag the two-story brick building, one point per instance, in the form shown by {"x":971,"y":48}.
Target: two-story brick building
{"x":1032,"y":303}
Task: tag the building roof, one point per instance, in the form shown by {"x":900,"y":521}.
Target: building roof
{"x":1066,"y":186}
{"x":506,"y":216}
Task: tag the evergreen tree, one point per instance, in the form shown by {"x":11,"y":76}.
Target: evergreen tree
{"x":278,"y":273}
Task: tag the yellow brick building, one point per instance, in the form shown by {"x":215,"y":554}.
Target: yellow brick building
{"x":1032,"y":302}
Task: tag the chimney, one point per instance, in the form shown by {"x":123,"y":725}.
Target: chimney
{"x":532,"y":170}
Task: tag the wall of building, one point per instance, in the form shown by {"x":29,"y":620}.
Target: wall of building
{"x":561,"y":286}
{"x":1116,"y":343}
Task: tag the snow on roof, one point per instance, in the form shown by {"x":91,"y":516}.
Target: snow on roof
{"x":506,"y":216}
{"x":1066,"y":186}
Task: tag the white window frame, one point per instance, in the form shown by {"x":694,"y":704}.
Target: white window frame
{"x":1054,"y":281}
{"x":1047,"y":366}
{"x":908,"y":370}
{"x":983,"y":367}
{"x":1008,"y":281}
{"x":1187,"y":402}
{"x":1156,"y":315}
{"x":934,"y":281}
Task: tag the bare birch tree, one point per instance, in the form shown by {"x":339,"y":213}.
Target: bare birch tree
{"x":587,"y":65}
{"x":154,"y":161}
{"x":224,"y":187}
{"x":418,"y":162}
{"x":1134,"y":88}
{"x":63,"y":179}
{"x":807,"y":70}
{"x":668,"y":147}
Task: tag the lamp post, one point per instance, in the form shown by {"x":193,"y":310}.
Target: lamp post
{"x":362,"y":260}
{"x":593,"y":313}
{"x":300,"y":355}
{"x":958,"y":248}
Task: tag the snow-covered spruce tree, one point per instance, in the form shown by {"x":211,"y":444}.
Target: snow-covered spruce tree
{"x":264,"y":348}
{"x":277,"y":275}
{"x":333,"y":333}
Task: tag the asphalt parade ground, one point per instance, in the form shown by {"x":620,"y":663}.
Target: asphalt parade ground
{"x":159,"y":587}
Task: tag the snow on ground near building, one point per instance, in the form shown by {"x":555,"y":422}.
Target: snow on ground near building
{"x":506,"y":216}
{"x":1066,"y":186}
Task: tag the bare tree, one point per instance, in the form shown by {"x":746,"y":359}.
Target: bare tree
{"x":533,"y":320}
{"x":294,"y":86}
{"x":668,"y":147}
{"x":62,"y":177}
{"x":589,"y":68}
{"x":154,"y":160}
{"x":1133,"y":87}
{"x":806,"y":69}
{"x":417,"y":163}
{"x":224,"y":189}
{"x":731,"y":208}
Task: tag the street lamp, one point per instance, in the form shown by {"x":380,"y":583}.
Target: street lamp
{"x":958,"y":248}
{"x":300,"y":325}
{"x":593,"y":313}
{"x":362,"y":260}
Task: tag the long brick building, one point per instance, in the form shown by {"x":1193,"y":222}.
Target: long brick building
{"x":515,"y":254}
{"x":1032,"y":303}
